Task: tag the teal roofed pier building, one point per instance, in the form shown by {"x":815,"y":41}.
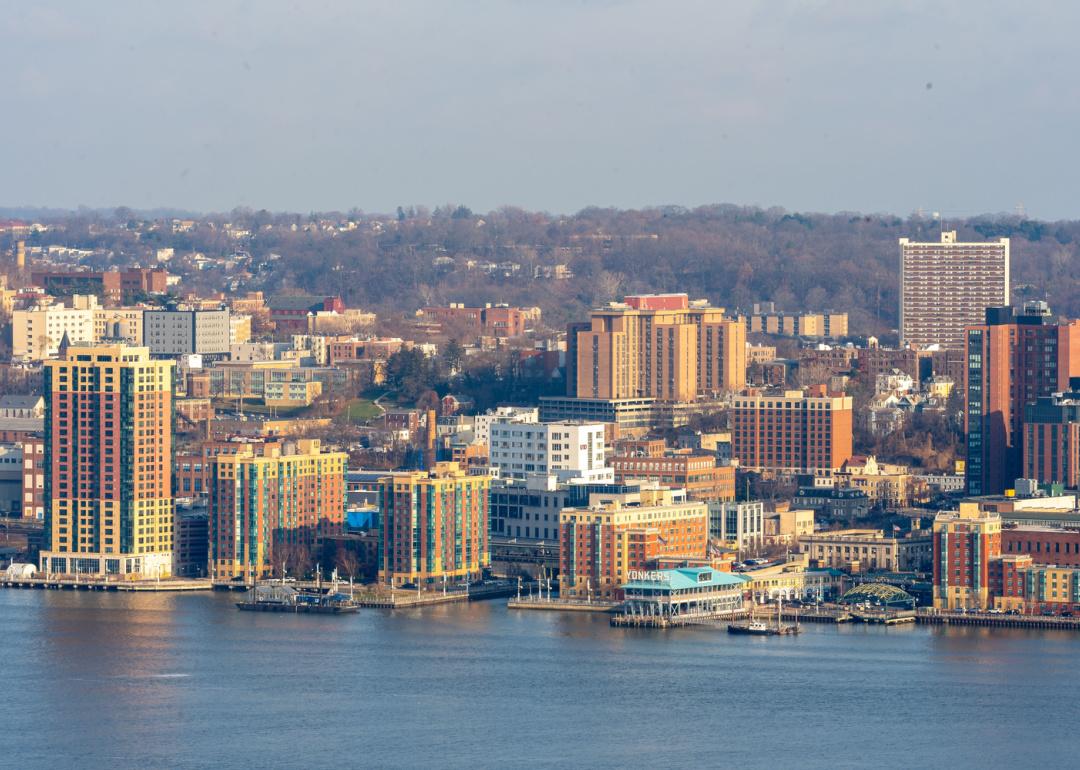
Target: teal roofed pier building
{"x":686,"y":591}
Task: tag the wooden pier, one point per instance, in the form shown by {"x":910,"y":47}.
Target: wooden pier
{"x":625,"y":620}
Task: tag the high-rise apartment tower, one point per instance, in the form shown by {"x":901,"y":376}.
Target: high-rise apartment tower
{"x":108,"y":463}
{"x":947,"y":286}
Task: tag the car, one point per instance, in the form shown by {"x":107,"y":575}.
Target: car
{"x":1067,"y":614}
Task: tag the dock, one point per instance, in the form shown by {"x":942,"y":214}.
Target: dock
{"x":930,"y":616}
{"x":884,"y":617}
{"x":817,"y":615}
{"x":88,"y":584}
{"x":402,"y":599}
{"x":560,"y":605}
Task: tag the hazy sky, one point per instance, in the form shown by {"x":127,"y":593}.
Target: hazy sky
{"x":962,"y":107}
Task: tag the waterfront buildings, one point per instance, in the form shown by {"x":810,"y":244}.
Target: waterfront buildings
{"x":434,"y":526}
{"x":108,"y":455}
{"x":601,"y":544}
{"x":11,"y":477}
{"x":656,"y":346}
{"x":794,"y":579}
{"x":965,"y":543}
{"x":1045,"y":545}
{"x":669,"y":593}
{"x":270,"y":503}
{"x":946,"y":286}
{"x":32,"y":486}
{"x":1035,"y":589}
{"x":192,"y":542}
{"x":796,"y":432}
{"x":1014,"y":358}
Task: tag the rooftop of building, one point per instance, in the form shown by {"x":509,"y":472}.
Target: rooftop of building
{"x":22,"y":424}
{"x":1035,"y":528}
{"x":877,"y":593}
{"x":12,"y":401}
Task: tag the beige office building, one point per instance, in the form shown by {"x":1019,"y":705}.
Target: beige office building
{"x":867,"y":550}
{"x":947,"y":286}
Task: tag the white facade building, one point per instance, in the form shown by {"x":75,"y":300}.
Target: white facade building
{"x":567,"y":450}
{"x":740,"y":523}
{"x":36,"y":333}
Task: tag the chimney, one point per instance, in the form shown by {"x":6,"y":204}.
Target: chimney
{"x":429,"y":445}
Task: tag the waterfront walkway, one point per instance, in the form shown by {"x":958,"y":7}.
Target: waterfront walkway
{"x":555,"y":604}
{"x":94,"y":584}
{"x":930,"y":616}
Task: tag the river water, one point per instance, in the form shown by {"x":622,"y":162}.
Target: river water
{"x":187,"y":681}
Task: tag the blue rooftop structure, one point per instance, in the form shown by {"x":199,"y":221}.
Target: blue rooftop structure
{"x":682,"y":579}
{"x":665,"y":594}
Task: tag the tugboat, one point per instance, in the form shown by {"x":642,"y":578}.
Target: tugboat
{"x":761,"y":628}
{"x":753,"y":627}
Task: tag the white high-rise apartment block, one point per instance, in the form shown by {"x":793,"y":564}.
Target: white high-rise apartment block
{"x":947,"y":286}
{"x":567,"y":450}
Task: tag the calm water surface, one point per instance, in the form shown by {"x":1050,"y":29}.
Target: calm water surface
{"x":187,"y":681}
